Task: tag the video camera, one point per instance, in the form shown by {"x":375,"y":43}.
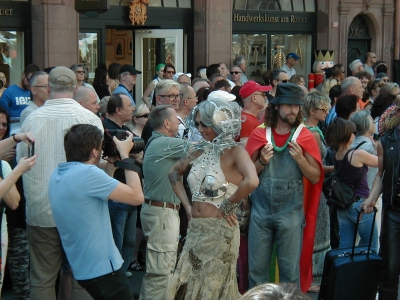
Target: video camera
{"x":109,"y":148}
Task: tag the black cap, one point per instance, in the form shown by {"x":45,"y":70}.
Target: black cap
{"x":287,"y":93}
{"x":130,"y":69}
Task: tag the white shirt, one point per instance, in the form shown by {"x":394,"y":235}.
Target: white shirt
{"x":290,"y":71}
{"x":48,"y":125}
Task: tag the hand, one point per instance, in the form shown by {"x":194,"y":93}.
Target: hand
{"x":25,"y":163}
{"x":267,"y":153}
{"x":231,"y":219}
{"x":296,"y":152}
{"x":368,"y":206}
{"x":25,"y":137}
{"x":10,"y":155}
{"x":124,"y":147}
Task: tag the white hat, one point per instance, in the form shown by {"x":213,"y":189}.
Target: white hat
{"x":176,"y":76}
{"x":221,"y":95}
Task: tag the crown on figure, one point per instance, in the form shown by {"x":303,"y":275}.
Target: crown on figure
{"x":324,"y":55}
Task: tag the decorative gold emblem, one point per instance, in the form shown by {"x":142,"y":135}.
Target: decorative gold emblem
{"x":138,"y":10}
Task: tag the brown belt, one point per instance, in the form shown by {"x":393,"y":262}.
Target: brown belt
{"x":162,"y":204}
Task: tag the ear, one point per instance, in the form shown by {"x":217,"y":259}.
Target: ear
{"x":76,"y":89}
{"x":158,"y":100}
{"x":166,"y":124}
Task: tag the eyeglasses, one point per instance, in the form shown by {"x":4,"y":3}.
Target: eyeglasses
{"x":143,"y":116}
{"x":169,"y":72}
{"x":325,"y":110}
{"x":236,"y":72}
{"x":172,"y":97}
{"x":4,"y":124}
{"x":80,"y":72}
{"x":41,"y":86}
{"x":284,"y":81}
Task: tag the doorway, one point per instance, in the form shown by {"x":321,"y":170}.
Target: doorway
{"x":356,"y":49}
{"x":153,"y":47}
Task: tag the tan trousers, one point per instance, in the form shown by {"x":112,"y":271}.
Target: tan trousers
{"x":161,"y":228}
{"x":45,"y":251}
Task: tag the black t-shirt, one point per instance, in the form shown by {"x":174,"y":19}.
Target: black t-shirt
{"x":269,"y":96}
{"x":108,"y":124}
{"x":147,"y":132}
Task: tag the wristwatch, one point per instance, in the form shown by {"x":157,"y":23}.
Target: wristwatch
{"x":15,"y":140}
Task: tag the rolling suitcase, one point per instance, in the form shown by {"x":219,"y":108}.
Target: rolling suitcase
{"x":352,"y":273}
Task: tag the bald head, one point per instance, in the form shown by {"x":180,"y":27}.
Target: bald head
{"x":87,"y":98}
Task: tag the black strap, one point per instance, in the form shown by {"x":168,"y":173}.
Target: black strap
{"x":345,"y":158}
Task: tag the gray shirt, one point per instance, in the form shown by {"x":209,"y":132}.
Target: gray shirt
{"x":25,"y":113}
{"x":161,"y":154}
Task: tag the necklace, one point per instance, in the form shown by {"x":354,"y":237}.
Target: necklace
{"x":280,"y":149}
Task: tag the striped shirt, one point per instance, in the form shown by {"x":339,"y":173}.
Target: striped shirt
{"x":48,"y":125}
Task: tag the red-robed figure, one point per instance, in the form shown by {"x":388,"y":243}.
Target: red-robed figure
{"x":285,"y":204}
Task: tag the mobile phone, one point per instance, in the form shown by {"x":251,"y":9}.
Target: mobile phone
{"x":31,"y":149}
{"x":376,"y":137}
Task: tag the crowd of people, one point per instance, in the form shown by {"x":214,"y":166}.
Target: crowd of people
{"x":219,"y":175}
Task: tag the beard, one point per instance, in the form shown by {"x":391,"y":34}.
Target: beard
{"x":288,"y":118}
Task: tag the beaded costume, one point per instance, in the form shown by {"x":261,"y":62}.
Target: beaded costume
{"x":207,"y":265}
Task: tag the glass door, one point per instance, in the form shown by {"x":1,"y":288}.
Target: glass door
{"x":153,"y":47}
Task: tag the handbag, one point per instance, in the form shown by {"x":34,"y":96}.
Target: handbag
{"x":338,"y":193}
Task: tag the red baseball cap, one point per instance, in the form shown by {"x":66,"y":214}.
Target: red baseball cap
{"x":251,"y":87}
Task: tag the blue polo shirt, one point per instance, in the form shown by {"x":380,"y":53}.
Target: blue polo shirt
{"x":78,"y":196}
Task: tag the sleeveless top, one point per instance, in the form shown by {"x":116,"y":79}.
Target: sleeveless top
{"x":349,"y":174}
{"x":207,"y":181}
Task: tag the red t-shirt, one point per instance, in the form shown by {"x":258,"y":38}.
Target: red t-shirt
{"x":248,"y":125}
{"x":280,"y":139}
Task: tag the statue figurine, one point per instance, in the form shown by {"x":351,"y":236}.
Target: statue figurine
{"x":323,"y":60}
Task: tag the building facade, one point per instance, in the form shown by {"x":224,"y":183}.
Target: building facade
{"x":189,"y":33}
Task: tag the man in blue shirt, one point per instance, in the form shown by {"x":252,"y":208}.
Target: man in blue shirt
{"x":79,"y":192}
{"x":127,"y":78}
{"x":16,"y":98}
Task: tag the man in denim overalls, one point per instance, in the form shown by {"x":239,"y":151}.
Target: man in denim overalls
{"x":284,"y":157}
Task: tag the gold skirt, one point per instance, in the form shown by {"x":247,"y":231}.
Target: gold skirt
{"x":207,"y":264}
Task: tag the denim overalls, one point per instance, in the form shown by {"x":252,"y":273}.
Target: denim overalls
{"x":276,"y":216}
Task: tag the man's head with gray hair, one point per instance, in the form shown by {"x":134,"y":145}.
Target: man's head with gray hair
{"x":356,"y":66}
{"x":163,"y":118}
{"x":167,"y":93}
{"x":352,"y":85}
{"x":87,"y":98}
{"x":39,"y":83}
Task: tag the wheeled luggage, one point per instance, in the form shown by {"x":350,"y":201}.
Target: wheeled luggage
{"x":351,"y":273}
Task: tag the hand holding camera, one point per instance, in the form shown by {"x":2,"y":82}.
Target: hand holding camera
{"x":124,"y":147}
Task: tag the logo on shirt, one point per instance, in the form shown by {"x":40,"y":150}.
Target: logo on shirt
{"x":22,"y":100}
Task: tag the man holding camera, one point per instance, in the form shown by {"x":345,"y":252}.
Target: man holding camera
{"x":88,"y":242}
{"x":123,"y":216}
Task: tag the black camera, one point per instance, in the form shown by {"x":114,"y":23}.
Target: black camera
{"x":109,"y":148}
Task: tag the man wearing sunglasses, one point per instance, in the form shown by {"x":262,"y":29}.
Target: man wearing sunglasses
{"x":276,"y":77}
{"x":127,"y":80}
{"x":16,"y":97}
{"x":370,"y":60}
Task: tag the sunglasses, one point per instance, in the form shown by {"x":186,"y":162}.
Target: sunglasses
{"x":4,"y":124}
{"x":236,"y":72}
{"x":143,"y":116}
{"x":324,"y":109}
{"x":284,"y":81}
{"x":80,"y":72}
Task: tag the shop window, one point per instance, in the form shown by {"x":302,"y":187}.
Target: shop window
{"x":265,"y":52}
{"x":12,"y":62}
{"x":283,"y":5}
{"x":298,"y":5}
{"x":171,"y":3}
{"x":88,"y":53}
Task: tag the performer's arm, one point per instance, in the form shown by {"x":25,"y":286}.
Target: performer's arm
{"x":309,"y":167}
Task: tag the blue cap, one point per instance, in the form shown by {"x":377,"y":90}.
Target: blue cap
{"x":293,"y":55}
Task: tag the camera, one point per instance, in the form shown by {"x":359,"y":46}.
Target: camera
{"x":109,"y":148}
